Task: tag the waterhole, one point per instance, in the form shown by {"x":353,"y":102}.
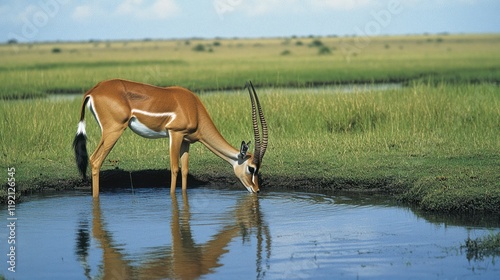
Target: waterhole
{"x":232,"y":234}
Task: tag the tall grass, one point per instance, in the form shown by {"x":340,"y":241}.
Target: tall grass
{"x":32,"y":137}
{"x":438,"y":133}
{"x":34,"y":70}
{"x":439,"y":141}
{"x":419,"y":118}
{"x":326,"y":127}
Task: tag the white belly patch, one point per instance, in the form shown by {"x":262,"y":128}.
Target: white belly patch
{"x":145,"y":131}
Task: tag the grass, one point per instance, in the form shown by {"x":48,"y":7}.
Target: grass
{"x":479,"y":248}
{"x":431,"y":145}
{"x":35,"y":70}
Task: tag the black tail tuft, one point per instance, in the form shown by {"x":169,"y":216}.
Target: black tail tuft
{"x":81,"y":155}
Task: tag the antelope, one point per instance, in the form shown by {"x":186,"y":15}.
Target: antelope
{"x":173,"y":112}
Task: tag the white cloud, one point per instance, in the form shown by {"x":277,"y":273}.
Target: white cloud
{"x":439,"y":3}
{"x":158,"y":9}
{"x":28,"y":11}
{"x":345,"y":5}
{"x":262,"y":7}
{"x":81,"y":13}
{"x":128,"y":6}
{"x":165,"y":8}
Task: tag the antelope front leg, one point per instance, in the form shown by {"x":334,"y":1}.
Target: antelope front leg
{"x":95,"y":182}
{"x":175,"y":149}
{"x":184,"y":164}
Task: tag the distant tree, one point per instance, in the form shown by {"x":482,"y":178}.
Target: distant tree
{"x":316,"y":43}
{"x":324,"y":50}
{"x":286,"y":52}
{"x":199,"y":48}
{"x":12,"y":42}
{"x":56,"y":50}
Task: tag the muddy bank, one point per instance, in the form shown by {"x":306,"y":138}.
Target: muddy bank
{"x":405,"y":191}
{"x":113,"y":179}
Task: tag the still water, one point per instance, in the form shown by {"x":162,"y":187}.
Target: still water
{"x":231,"y":234}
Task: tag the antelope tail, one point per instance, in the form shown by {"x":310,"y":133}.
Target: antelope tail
{"x":80,"y":144}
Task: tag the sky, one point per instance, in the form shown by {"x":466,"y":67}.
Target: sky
{"x":83,"y":20}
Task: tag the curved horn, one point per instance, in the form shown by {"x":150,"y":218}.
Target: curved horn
{"x":260,"y":142}
{"x":263,"y":123}
{"x":256,"y":132}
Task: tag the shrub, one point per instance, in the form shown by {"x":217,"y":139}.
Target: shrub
{"x":199,"y":48}
{"x":316,"y":43}
{"x":286,"y":52}
{"x":324,"y":50}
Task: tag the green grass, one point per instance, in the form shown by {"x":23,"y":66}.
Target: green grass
{"x":432,"y":143}
{"x":479,"y":248}
{"x":435,"y":146}
{"x":35,"y":70}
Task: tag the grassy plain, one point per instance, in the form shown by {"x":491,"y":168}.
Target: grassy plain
{"x":433,"y":142}
{"x":37,"y":69}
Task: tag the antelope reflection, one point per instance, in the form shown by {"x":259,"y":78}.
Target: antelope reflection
{"x":184,"y":258}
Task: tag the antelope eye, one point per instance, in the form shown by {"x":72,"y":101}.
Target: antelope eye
{"x":251,"y":170}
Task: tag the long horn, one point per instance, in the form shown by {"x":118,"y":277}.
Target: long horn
{"x":256,"y":133}
{"x":263,"y":123}
{"x":260,"y":142}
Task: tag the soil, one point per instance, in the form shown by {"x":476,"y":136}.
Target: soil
{"x":119,"y":179}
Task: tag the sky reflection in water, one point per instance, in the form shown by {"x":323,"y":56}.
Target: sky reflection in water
{"x":223,"y":234}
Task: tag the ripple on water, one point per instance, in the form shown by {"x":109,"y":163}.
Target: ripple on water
{"x":280,"y":234}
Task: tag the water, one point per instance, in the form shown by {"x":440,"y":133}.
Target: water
{"x":345,"y":88}
{"x":231,"y":234}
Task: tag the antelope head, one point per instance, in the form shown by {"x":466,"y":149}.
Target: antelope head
{"x":248,"y":167}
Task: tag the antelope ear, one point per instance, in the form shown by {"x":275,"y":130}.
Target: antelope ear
{"x":244,"y":149}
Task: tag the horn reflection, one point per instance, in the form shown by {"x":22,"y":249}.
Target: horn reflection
{"x":184,"y":258}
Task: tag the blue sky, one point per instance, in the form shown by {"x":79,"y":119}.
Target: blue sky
{"x":76,"y":20}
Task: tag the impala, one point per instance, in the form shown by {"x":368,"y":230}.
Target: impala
{"x":173,"y":112}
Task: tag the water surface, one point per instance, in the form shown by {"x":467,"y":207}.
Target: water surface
{"x":317,"y":89}
{"x":229,"y":234}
